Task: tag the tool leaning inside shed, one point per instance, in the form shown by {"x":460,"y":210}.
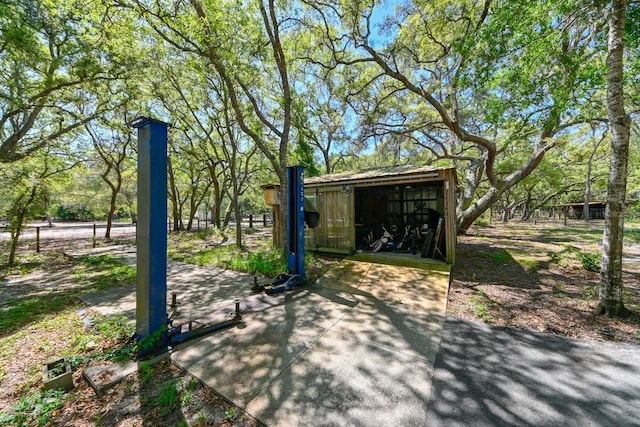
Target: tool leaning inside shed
{"x":155,"y":329}
{"x":299,"y":212}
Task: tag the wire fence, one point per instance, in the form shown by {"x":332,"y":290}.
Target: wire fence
{"x":60,"y":235}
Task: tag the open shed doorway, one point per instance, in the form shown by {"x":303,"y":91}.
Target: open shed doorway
{"x":354,"y":207}
{"x":398,"y":209}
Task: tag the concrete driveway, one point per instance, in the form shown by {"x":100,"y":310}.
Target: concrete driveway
{"x":496,"y":376}
{"x":368,"y":345}
{"x":354,"y":349}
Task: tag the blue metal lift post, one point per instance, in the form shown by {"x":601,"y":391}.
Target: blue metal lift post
{"x":295,"y":275}
{"x":151,"y":239}
{"x":295,"y":216}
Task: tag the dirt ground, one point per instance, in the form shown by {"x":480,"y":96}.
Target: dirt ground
{"x":528,"y":276}
{"x":521,"y":275}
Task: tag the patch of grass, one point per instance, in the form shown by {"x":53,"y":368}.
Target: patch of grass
{"x":193,"y":383}
{"x":498,"y":257}
{"x":481,"y":222}
{"x":560,"y":290}
{"x":481,"y":303}
{"x":97,"y":259}
{"x":528,"y":259}
{"x":185,"y":398}
{"x":104,"y":272}
{"x":201,"y":419}
{"x":120,"y":354}
{"x":569,"y":234}
{"x":632,"y":234}
{"x":589,"y":292}
{"x":230,"y":414}
{"x":249,"y":231}
{"x":568,"y":257}
{"x":210,"y":233}
{"x":168,"y":398}
{"x":21,"y":312}
{"x":266,"y":262}
{"x":145,"y":370}
{"x":112,"y":329}
{"x":590,"y":261}
{"x":115,"y":328}
{"x":116,"y":275}
{"x":11,"y":344}
{"x":190,"y":251}
{"x":150,"y":344}
{"x":554,"y":257}
{"x":36,"y":408}
{"x":27,"y":263}
{"x":481,"y":312}
{"x":94,"y":273}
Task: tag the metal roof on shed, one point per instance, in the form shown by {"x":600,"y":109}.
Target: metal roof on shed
{"x":378,"y":174}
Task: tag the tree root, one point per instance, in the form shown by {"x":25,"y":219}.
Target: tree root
{"x":612,"y":309}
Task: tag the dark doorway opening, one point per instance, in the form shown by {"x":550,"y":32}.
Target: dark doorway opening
{"x":398,"y":209}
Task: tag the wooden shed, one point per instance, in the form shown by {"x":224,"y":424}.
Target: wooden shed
{"x":576,"y":210}
{"x":355,"y":206}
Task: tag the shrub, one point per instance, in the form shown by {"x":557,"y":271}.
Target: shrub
{"x":589,"y":261}
{"x":481,"y":222}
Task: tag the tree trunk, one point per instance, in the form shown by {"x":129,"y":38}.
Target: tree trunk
{"x":586,"y":215}
{"x":610,"y":294}
{"x":476,"y":209}
{"x":174,"y":197}
{"x":16,"y":231}
{"x":238,"y":220}
{"x":112,"y":206}
{"x":505,"y":214}
{"x":467,"y":215}
{"x":112,"y":210}
{"x":17,"y":221}
{"x":216,"y":209}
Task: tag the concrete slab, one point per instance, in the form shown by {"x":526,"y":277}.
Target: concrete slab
{"x":276,"y":330}
{"x":342,"y":381}
{"x":105,"y":375}
{"x":200,"y":291}
{"x":343,"y":351}
{"x":355,"y":348}
{"x":401,"y":330}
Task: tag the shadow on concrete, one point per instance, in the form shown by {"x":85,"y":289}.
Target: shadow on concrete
{"x":495,"y":376}
{"x":357,"y":348}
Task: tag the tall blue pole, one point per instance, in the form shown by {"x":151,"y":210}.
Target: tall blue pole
{"x":295,"y":215}
{"x":151,"y":295}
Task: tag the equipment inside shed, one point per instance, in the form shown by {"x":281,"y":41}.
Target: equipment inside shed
{"x":400,"y":217}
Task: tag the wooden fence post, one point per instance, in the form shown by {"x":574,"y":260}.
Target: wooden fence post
{"x":94,"y":235}
{"x":38,"y":239}
{"x":250,"y":221}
